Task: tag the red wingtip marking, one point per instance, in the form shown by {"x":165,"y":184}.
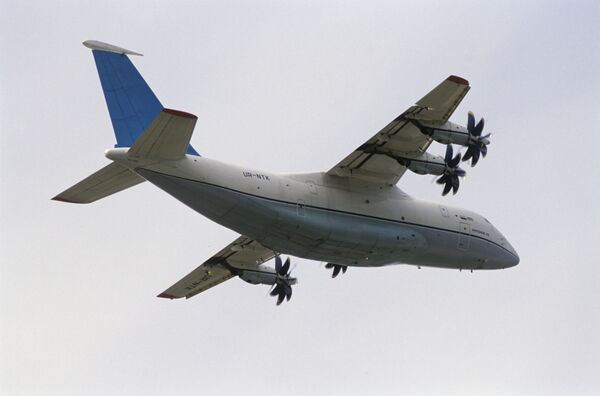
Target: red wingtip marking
{"x":458,"y":80}
{"x":165,"y":295}
{"x":180,"y":113}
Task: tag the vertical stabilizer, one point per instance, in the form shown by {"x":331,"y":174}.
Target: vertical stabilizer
{"x":131,"y":103}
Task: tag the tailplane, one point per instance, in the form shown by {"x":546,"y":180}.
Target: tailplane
{"x":107,"y":181}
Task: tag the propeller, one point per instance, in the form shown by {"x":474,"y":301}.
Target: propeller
{"x":477,"y":145}
{"x":336,"y":269}
{"x":450,"y":177}
{"x":283,"y":283}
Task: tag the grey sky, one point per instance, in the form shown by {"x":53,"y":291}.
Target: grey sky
{"x":295,"y":87}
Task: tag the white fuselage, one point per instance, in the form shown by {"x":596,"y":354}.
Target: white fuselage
{"x":329,"y":218}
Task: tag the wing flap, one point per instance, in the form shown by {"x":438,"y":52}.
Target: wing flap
{"x":107,"y":181}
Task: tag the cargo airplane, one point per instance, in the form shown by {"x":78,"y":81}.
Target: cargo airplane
{"x":352,"y":215}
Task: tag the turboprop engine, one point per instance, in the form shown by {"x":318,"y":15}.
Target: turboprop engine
{"x":451,"y":133}
{"x":280,"y":278}
{"x":427,"y":164}
{"x":430,"y":164}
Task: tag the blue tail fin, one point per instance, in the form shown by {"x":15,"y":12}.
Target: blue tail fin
{"x":131,"y":103}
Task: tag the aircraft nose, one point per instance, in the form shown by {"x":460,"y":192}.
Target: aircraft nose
{"x":515,"y":259}
{"x":506,"y":254}
{"x":511,"y":258}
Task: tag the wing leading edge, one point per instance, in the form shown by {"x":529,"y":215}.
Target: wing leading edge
{"x":402,"y":136}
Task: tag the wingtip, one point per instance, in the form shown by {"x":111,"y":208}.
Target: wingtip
{"x":458,"y":80}
{"x":165,"y":295}
{"x":100,"y":46}
{"x":61,"y":199}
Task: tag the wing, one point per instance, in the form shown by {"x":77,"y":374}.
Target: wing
{"x":402,"y":136}
{"x":243,"y":253}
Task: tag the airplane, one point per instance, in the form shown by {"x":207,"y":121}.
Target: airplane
{"x":352,"y":215}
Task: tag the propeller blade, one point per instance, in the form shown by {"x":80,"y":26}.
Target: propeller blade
{"x":277,"y":264}
{"x":475,"y":157}
{"x":455,"y":161}
{"x":448,"y":156}
{"x":468,"y":154}
{"x":275,"y":290}
{"x":455,"y":184}
{"x":471,"y":122}
{"x":447,"y":187}
{"x":287,"y":290}
{"x":337,"y":268}
{"x":280,"y":297}
{"x":336,"y":271}
{"x":329,"y":266}
{"x":478,"y":128}
{"x":285,"y":268}
{"x":441,"y":180}
{"x":483,"y":150}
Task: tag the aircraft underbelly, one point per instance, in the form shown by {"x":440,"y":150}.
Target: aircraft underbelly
{"x":326,"y":234}
{"x":341,"y":238}
{"x":308,"y":232}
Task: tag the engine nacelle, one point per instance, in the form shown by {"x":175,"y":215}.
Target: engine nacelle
{"x":262,"y":275}
{"x":446,"y":133}
{"x":423,"y":164}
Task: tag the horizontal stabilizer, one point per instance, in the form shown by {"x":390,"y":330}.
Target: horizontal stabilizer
{"x":167,"y":138}
{"x":107,"y":181}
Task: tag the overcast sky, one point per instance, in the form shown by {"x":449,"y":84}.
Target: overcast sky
{"x":296,"y":86}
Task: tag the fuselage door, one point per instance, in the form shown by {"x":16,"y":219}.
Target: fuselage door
{"x":464,"y":233}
